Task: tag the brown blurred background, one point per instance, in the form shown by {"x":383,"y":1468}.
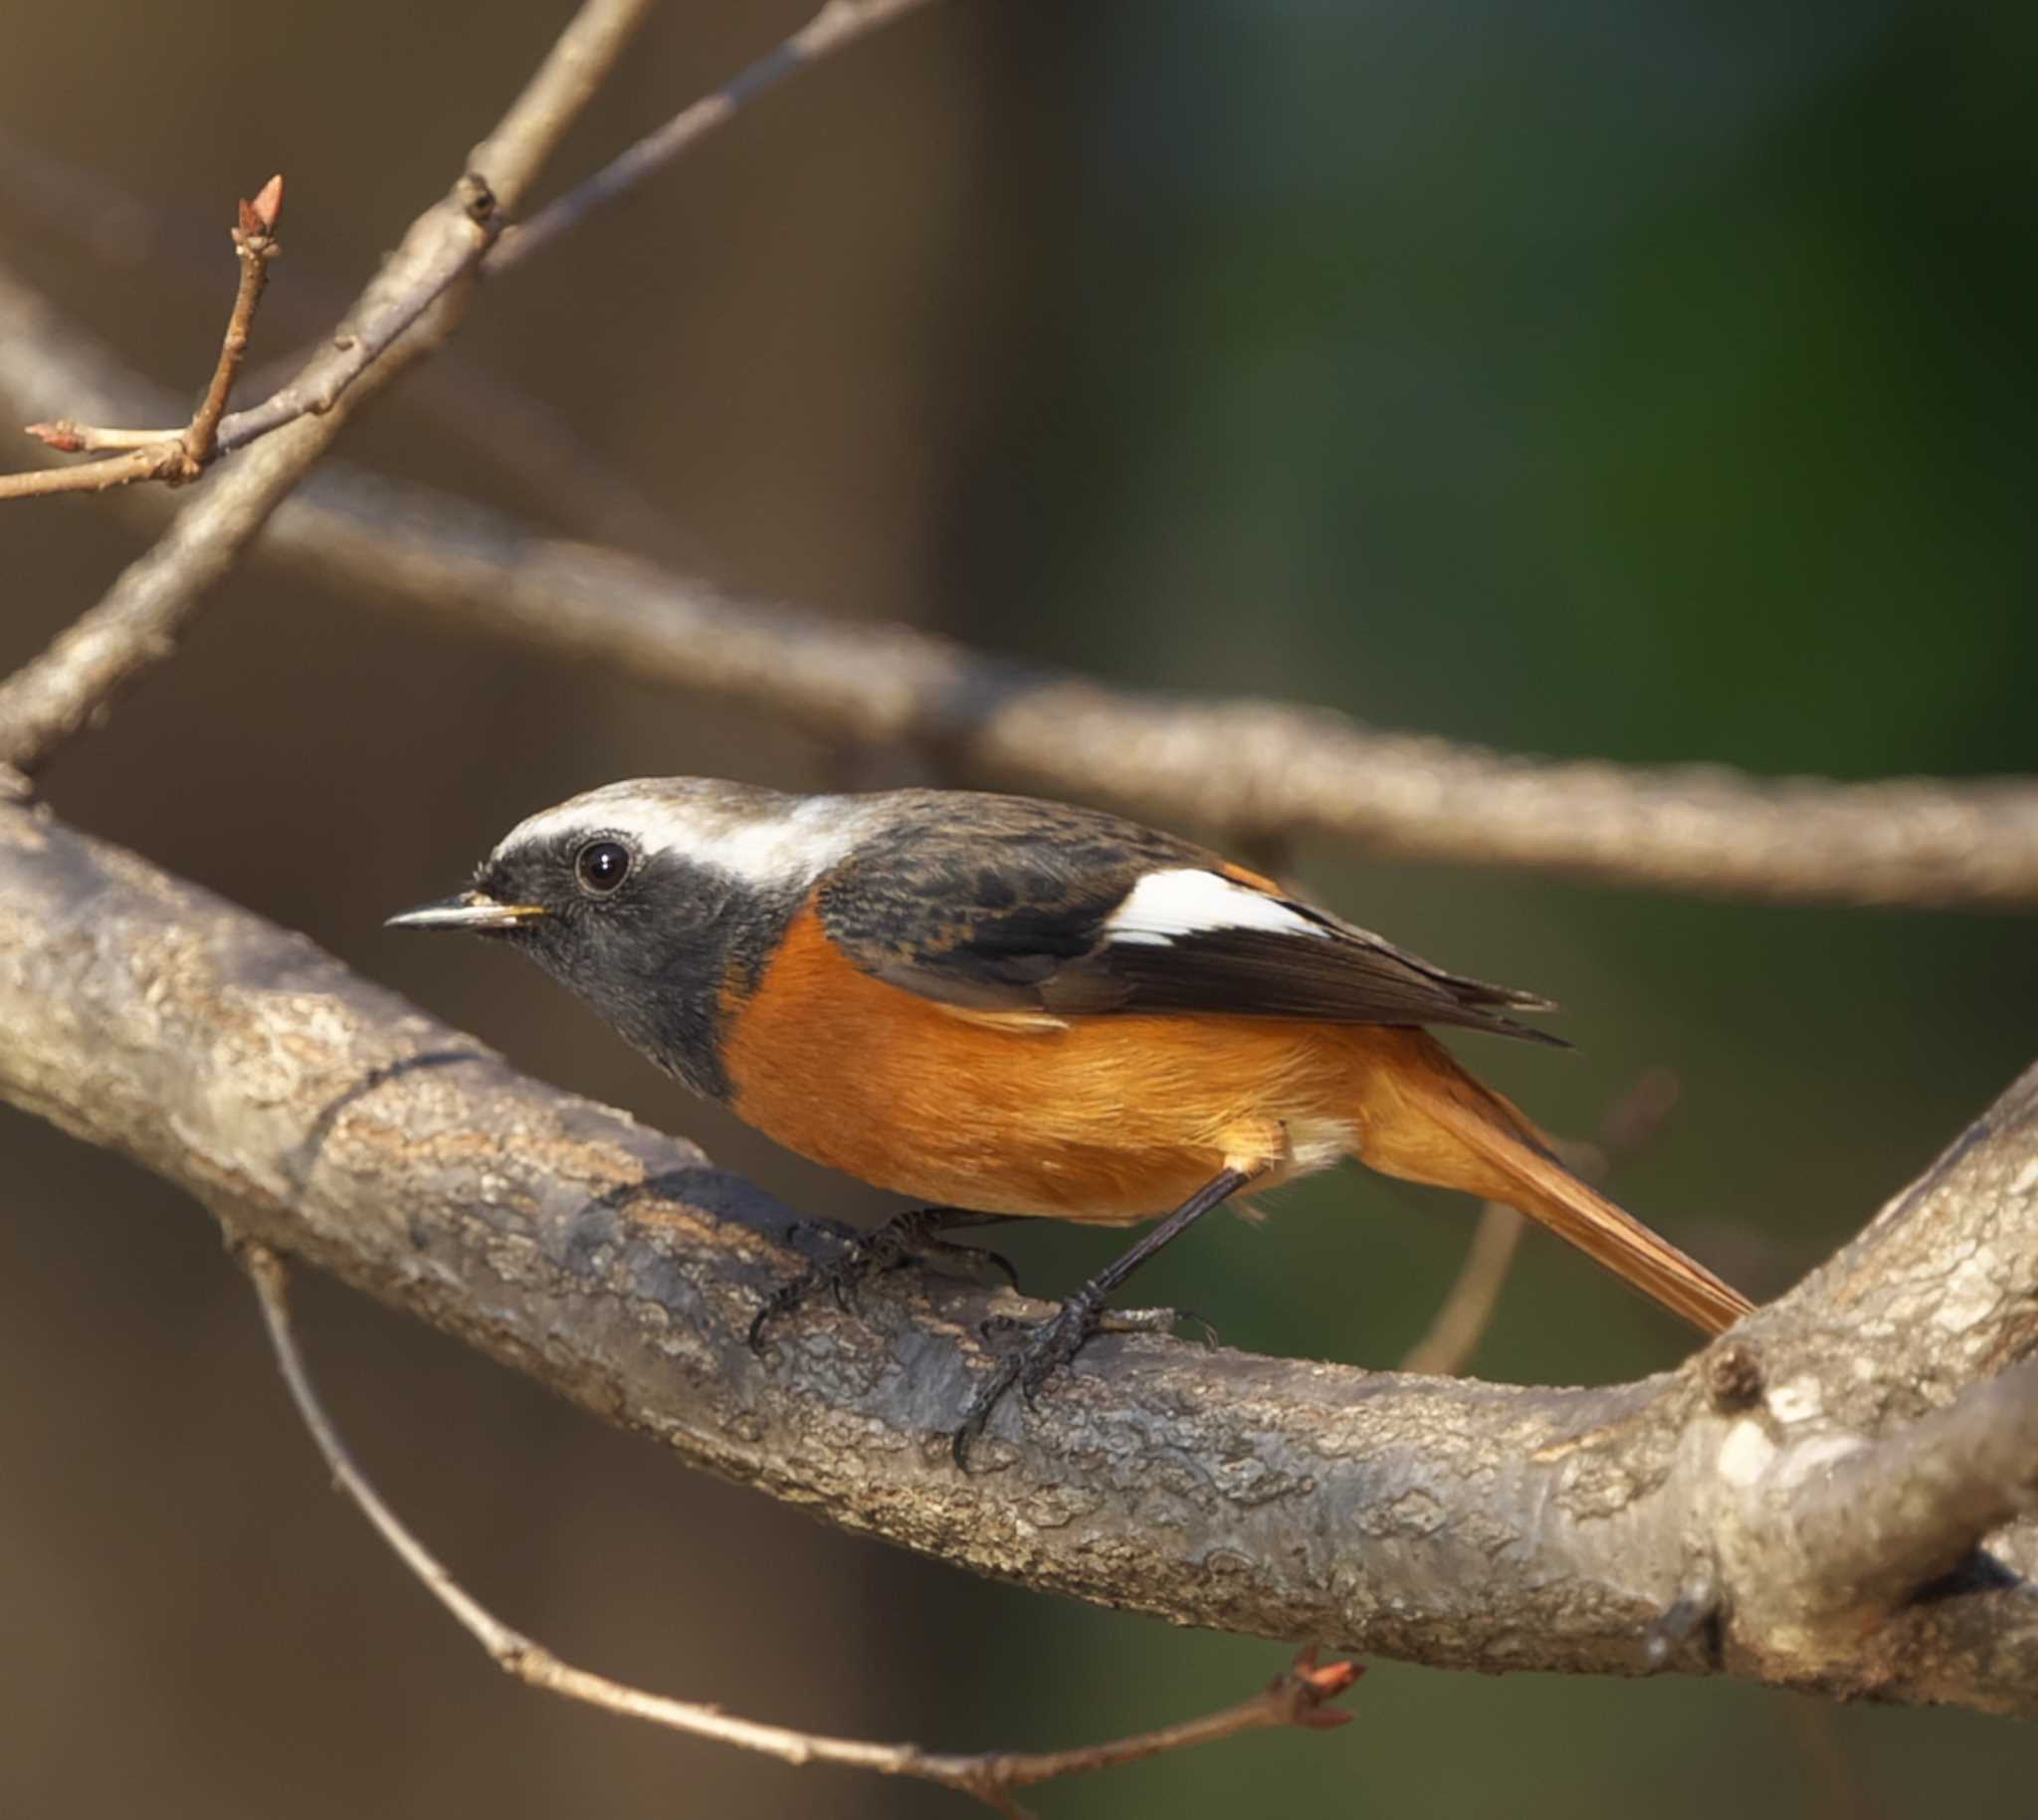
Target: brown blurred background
{"x":1652,"y":382}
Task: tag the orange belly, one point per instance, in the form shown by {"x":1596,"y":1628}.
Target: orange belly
{"x":1101,"y":1118}
{"x":1112,"y":1119}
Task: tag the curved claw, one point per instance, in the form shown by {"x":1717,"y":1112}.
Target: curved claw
{"x":910,"y":1237}
{"x":979,"y":1411}
{"x":1206,"y":1331}
{"x":782,"y":1299}
{"x":1003,"y":1264}
{"x":1050,"y":1345}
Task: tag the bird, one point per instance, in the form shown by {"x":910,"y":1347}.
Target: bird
{"x":1003,"y":1007}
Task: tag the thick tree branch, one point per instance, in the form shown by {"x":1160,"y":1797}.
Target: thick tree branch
{"x":1257,"y":769}
{"x":1295,"y":1699}
{"x":1263,"y":773}
{"x":1448,"y":1522}
{"x":1895,"y":1516}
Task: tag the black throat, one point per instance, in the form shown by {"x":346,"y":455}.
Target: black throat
{"x":665,"y":959}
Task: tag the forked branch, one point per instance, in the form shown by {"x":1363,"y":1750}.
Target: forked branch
{"x":138,"y":623}
{"x":168,"y":454}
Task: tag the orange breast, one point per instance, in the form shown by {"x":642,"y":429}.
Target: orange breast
{"x":1106,"y":1119}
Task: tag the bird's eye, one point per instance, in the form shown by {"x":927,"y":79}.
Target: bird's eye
{"x":601,"y":866}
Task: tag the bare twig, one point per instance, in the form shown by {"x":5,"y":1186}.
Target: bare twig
{"x":1460,"y":1322}
{"x":138,"y":623}
{"x":482,"y":409}
{"x":148,"y":461}
{"x":1297,"y":1698}
{"x":167,"y":455}
{"x":499,"y":172}
{"x":253,"y":246}
{"x":1443,"y":1521}
{"x":69,"y":437}
{"x":838,"y":23}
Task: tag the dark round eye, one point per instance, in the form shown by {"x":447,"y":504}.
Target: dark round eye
{"x":601,"y":866}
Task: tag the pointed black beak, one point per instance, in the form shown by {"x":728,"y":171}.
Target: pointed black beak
{"x":473,"y":911}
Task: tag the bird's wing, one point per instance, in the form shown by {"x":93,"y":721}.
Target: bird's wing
{"x":1007,"y":906}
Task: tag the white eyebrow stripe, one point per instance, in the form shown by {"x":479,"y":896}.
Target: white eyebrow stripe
{"x":792,"y":846}
{"x":1192,"y":901}
{"x":800,"y":845}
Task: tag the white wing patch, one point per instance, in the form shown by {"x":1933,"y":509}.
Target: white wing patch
{"x":1191,"y":902}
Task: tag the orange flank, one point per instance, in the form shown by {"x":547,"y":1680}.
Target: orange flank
{"x":1117,"y":1117}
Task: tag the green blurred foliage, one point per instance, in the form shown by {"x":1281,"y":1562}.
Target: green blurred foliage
{"x":1651,"y":383}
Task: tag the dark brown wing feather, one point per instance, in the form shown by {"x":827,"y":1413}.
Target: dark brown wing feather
{"x":1350,"y":977}
{"x":992,"y":903}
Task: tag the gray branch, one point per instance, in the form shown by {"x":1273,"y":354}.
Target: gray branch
{"x":1261,"y":772}
{"x":1689,"y":1520}
{"x":1896,"y":1517}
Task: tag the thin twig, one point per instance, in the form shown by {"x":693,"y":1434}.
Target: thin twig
{"x":486,"y":411}
{"x":167,"y":455}
{"x":151,"y":461}
{"x":1460,"y":1322}
{"x":499,"y":172}
{"x":253,"y":246}
{"x":138,"y":621}
{"x":69,"y":437}
{"x":1462,"y":1319}
{"x":838,"y":23}
{"x":1296,"y":1698}
{"x":502,"y":167}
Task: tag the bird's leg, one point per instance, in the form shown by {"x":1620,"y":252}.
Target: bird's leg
{"x":1053,"y":1343}
{"x":906,"y":1238}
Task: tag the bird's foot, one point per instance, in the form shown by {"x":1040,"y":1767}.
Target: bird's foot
{"x":1052,"y":1344}
{"x":913,"y":1236}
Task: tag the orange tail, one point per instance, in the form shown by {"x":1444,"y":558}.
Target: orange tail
{"x":1426,"y":1120}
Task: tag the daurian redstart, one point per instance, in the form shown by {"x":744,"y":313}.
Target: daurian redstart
{"x":1005,"y":1007}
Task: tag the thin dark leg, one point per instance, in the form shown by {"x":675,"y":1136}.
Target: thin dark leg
{"x":1056,"y":1341}
{"x":912,"y":1234}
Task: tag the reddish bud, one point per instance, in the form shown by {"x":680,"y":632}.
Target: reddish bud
{"x":1315,"y":1684}
{"x":261,"y":215}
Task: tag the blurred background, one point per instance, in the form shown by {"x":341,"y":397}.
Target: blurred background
{"x":1643,"y":381}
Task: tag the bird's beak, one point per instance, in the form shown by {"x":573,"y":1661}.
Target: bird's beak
{"x":473,"y":911}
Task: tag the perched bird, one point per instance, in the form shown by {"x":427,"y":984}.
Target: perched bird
{"x":1005,"y":1007}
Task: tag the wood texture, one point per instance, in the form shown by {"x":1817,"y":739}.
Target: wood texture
{"x":1684,"y":1521}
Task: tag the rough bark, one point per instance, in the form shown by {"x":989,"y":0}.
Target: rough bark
{"x":1770,"y":1510}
